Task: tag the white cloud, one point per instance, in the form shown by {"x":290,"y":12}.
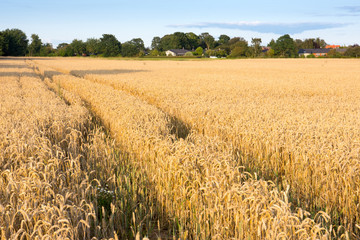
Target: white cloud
{"x":264,"y":27}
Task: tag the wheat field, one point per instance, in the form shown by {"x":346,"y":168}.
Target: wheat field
{"x":225,"y":149}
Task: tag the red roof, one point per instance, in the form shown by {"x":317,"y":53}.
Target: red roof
{"x":332,"y":46}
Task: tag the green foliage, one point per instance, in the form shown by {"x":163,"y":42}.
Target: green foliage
{"x":2,"y":42}
{"x":272,"y":43}
{"x":129,"y":50}
{"x":62,"y":45}
{"x":231,"y":44}
{"x":256,"y":47}
{"x":353,"y":52}
{"x":208,"y":40}
{"x":239,"y":48}
{"x":310,"y":43}
{"x":176,"y":40}
{"x":285,"y":46}
{"x":64,"y":50}
{"x":93,"y":46}
{"x":35,"y":46}
{"x":78,"y":47}
{"x":220,"y":53}
{"x":320,"y":43}
{"x":104,"y":199}
{"x":166,"y":43}
{"x":110,"y":46}
{"x":179,"y":40}
{"x":223,"y":39}
{"x":141,"y":54}
{"x":155,"y":44}
{"x":154,"y":53}
{"x":139,"y":43}
{"x":334,"y":54}
{"x":199,"y":51}
{"x":14,"y":42}
{"x":237,"y":52}
{"x":270,"y":53}
{"x":188,"y":54}
{"x":133,"y":48}
{"x":235,"y":40}
{"x":216,"y":53}
{"x":310,"y":56}
{"x":193,"y":40}
{"x":47,"y":50}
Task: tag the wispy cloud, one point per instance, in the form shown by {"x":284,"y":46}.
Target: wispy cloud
{"x":350,"y":11}
{"x":262,"y":27}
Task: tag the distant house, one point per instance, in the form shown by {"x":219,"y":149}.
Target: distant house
{"x":317,"y":52}
{"x":265,"y":49}
{"x":176,"y":52}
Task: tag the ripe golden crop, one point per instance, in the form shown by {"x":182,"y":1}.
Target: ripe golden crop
{"x":258,"y":149}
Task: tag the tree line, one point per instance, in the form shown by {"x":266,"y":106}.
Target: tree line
{"x":14,"y":42}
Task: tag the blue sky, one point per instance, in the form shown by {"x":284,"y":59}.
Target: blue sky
{"x":56,"y":21}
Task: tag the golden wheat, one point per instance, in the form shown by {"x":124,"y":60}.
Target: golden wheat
{"x":292,"y":121}
{"x":60,"y":176}
{"x":200,"y":181}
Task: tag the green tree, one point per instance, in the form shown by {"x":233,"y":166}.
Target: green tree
{"x":166,"y":43}
{"x":154,"y":53}
{"x":110,"y":46}
{"x":62,"y":45}
{"x":223,"y":39}
{"x":176,"y":40}
{"x":237,"y":52}
{"x":298,"y":43}
{"x":310,"y":43}
{"x":231,"y":44}
{"x":238,"y":47}
{"x":220,"y":53}
{"x":353,"y":51}
{"x":139,"y":43}
{"x":47,"y":50}
{"x":270,"y":53}
{"x":15,"y":42}
{"x":93,"y":46}
{"x":208,"y":40}
{"x":64,"y":50}
{"x":285,"y":46}
{"x":235,"y":40}
{"x":155,"y":43}
{"x":272,"y":44}
{"x":334,"y":54}
{"x":35,"y":45}
{"x":129,"y":50}
{"x":256,"y":46}
{"x":79,"y":47}
{"x":199,"y":51}
{"x":2,"y":43}
{"x":320,"y":43}
{"x":133,"y":48}
{"x":180,"y":40}
{"x":193,"y":41}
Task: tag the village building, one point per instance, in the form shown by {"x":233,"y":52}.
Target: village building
{"x":321,"y":52}
{"x":317,"y":52}
{"x":176,"y":52}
